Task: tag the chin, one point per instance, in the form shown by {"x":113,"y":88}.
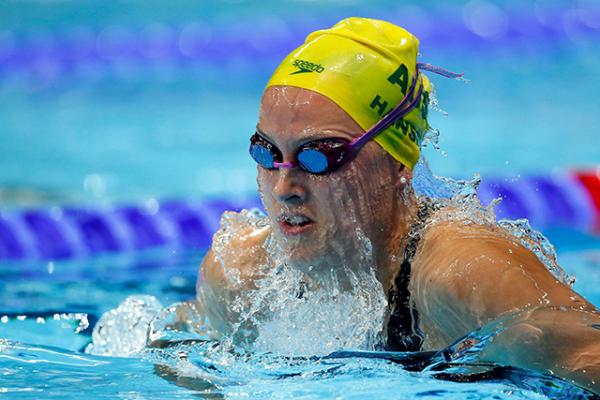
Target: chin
{"x":302,"y":255}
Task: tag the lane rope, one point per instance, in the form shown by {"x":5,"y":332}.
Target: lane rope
{"x":569,"y":199}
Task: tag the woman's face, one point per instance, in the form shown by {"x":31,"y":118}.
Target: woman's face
{"x":322,"y":221}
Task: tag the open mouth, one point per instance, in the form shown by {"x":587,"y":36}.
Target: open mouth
{"x":294,"y":224}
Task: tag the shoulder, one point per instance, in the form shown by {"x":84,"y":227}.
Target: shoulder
{"x":452,"y":270}
{"x":468,"y":273}
{"x":237,"y":250}
{"x":458,"y":252}
{"x":448,"y":239}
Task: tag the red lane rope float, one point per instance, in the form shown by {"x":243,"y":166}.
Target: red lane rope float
{"x":590,"y":180}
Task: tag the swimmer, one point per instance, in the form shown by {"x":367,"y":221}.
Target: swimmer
{"x":339,"y":131}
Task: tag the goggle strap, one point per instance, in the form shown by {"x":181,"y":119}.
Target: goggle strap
{"x":398,"y":112}
{"x":439,"y":71}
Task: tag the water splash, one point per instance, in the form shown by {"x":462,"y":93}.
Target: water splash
{"x":123,"y":330}
{"x":233,"y":225}
{"x":539,"y":245}
{"x":80,"y":318}
{"x":295,"y":312}
{"x":291,"y":311}
{"x":322,"y":320}
{"x":434,"y":103}
{"x":179,"y":322}
{"x":432,"y":137}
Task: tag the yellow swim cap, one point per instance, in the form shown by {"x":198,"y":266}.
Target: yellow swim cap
{"x":366,"y":67}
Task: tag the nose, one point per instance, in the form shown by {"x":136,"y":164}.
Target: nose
{"x":288,"y":188}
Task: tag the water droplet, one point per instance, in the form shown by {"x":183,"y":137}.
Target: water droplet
{"x":95,"y":184}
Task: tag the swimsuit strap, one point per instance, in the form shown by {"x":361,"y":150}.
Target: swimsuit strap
{"x":403,"y":326}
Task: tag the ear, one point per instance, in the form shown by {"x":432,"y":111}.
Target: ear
{"x":404,"y":176}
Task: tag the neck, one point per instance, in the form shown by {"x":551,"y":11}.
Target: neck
{"x":389,"y":256}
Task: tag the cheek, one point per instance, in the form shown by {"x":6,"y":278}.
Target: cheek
{"x":377,"y":173}
{"x":265,"y":182}
{"x":260,"y":179}
{"x":365,"y":190}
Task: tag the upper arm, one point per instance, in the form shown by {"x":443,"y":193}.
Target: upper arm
{"x":236,"y":252}
{"x":230,"y":266}
{"x":467,"y":275}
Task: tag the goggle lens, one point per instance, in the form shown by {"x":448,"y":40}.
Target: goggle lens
{"x":262,"y":156}
{"x":313,"y":161}
{"x":263,"y":152}
{"x":324,"y":155}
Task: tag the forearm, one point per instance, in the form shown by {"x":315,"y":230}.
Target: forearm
{"x":550,"y":339}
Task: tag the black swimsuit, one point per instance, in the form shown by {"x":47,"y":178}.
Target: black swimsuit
{"x":403,"y":325}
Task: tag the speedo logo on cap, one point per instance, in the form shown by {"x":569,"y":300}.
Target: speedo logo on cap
{"x":306,"y":66}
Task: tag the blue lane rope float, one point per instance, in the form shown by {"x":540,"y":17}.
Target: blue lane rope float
{"x":569,"y":200}
{"x":70,"y":231}
{"x":560,"y":200}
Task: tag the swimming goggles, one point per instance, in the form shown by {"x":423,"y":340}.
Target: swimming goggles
{"x":323,"y":156}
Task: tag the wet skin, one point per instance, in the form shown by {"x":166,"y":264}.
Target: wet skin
{"x":464,"y":275}
{"x":363,"y":194}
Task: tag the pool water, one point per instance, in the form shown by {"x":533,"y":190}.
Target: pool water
{"x":54,"y":306}
{"x":109,"y":128}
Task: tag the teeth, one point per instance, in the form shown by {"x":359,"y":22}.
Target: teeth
{"x":294,"y":219}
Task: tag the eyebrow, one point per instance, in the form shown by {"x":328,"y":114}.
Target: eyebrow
{"x":264,"y":135}
{"x":302,"y":140}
